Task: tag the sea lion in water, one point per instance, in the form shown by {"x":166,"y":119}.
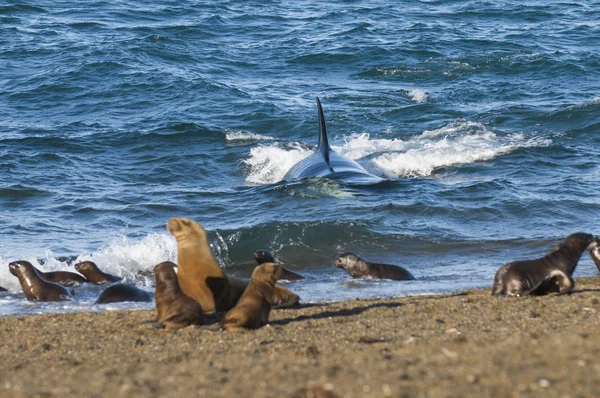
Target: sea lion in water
{"x":252,"y":310}
{"x":263,"y":256}
{"x":359,"y":268}
{"x":34,"y":287}
{"x":93,"y":274}
{"x":64,"y":278}
{"x":174,"y":308}
{"x":551,"y":273}
{"x":121,"y":292}
{"x":200,"y":276}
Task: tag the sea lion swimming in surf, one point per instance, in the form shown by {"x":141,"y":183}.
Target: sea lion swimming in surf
{"x":121,"y":292}
{"x":93,"y":274}
{"x":359,"y":268}
{"x":174,"y":308}
{"x":200,"y":276}
{"x":252,"y":310}
{"x":34,"y":287}
{"x":548,"y":274}
{"x":263,"y":256}
{"x":64,"y":278}
{"x":326,"y":163}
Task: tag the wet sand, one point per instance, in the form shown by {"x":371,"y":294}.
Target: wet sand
{"x":466,"y":344}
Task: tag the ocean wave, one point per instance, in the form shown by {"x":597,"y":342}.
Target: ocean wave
{"x":245,"y":136}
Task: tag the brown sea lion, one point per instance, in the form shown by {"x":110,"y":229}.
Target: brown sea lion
{"x":34,"y":287}
{"x":201,"y":277}
{"x":252,"y":310}
{"x":551,"y":273}
{"x":595,"y":253}
{"x":263,"y":256}
{"x":121,"y":292}
{"x":359,"y":268}
{"x":174,"y":308}
{"x":93,"y":274}
{"x":64,"y":278}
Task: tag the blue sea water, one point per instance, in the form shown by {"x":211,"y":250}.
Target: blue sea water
{"x":482,"y":117}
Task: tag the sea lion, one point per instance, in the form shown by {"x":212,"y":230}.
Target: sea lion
{"x":252,"y":310}
{"x":121,"y":292}
{"x":200,"y":276}
{"x":34,"y":287}
{"x":551,"y":273}
{"x":174,"y":308}
{"x":595,"y":254}
{"x":359,"y":268}
{"x":64,"y":278}
{"x":263,"y":256}
{"x":93,"y":274}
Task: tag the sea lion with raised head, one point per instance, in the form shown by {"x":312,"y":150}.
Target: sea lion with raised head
{"x":93,"y":274}
{"x":263,"y":256}
{"x":252,"y":310}
{"x":359,"y":268}
{"x":121,"y":292}
{"x":34,"y":287}
{"x":64,"y":278}
{"x":174,"y":308}
{"x":548,"y":274}
{"x":200,"y":276}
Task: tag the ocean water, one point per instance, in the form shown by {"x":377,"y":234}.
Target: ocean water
{"x":483,"y":117}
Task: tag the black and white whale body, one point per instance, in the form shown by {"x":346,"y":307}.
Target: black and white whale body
{"x":326,"y":163}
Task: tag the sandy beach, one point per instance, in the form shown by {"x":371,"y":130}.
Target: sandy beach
{"x":466,"y":344}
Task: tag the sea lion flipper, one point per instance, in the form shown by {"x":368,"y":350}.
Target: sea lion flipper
{"x":557,"y":282}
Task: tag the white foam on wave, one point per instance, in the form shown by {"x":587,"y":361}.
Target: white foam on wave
{"x":245,"y":136}
{"x":419,"y":95}
{"x":459,"y":142}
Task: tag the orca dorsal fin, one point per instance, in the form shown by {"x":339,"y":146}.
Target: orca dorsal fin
{"x":323,"y":140}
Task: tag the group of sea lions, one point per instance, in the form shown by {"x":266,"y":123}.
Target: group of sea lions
{"x":197,"y":285}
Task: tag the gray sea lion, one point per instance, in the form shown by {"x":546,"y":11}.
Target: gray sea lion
{"x":359,"y":268}
{"x":548,"y":274}
{"x":121,"y":292}
{"x":252,"y":310}
{"x":326,"y":163}
{"x":174,"y":308}
{"x":94,"y":274}
{"x":263,"y":256}
{"x":34,"y":287}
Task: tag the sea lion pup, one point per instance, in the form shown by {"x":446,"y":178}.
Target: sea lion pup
{"x":174,"y":309}
{"x":359,"y":268}
{"x":121,"y":292}
{"x":551,"y":273}
{"x":263,"y":256}
{"x":34,"y":287}
{"x":252,"y":310}
{"x":200,"y":276}
{"x":93,"y":274}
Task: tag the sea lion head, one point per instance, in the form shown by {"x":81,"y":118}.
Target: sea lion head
{"x":346,"y":260}
{"x":579,"y":242}
{"x":267,"y":271}
{"x":183,"y":228}
{"x":20,"y":267}
{"x":263,"y":256}
{"x":165,"y":273}
{"x":86,"y":267}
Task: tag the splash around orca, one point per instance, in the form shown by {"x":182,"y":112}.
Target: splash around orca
{"x":326,"y":163}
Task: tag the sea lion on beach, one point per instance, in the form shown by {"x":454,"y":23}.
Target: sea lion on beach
{"x":200,"y":276}
{"x":93,"y":274}
{"x":551,"y":273}
{"x":263,"y":256}
{"x":595,"y":253}
{"x":359,"y":268}
{"x":121,"y":292}
{"x":34,"y":287}
{"x":174,"y":308}
{"x":252,"y":310}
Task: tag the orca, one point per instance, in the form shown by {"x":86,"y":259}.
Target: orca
{"x":326,"y":163}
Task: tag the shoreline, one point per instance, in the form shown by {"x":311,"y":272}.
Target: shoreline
{"x":448,"y":345}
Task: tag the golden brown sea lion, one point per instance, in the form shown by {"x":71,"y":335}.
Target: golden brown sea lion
{"x":64,"y":278}
{"x":359,"y":268}
{"x":201,"y":277}
{"x":34,"y":287}
{"x":263,"y":256}
{"x":551,"y":273}
{"x":174,"y":308}
{"x":93,"y":274}
{"x":252,"y":310}
{"x":121,"y":292}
